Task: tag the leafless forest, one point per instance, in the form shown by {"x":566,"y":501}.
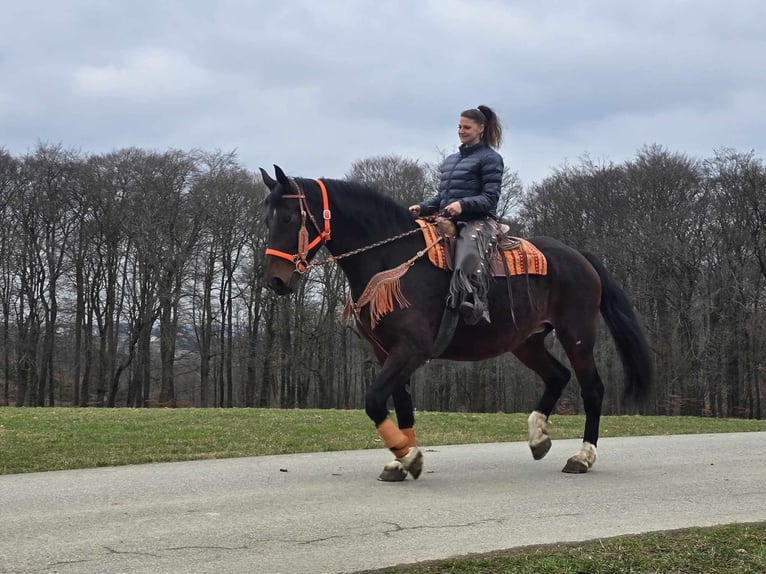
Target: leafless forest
{"x":134,"y":279}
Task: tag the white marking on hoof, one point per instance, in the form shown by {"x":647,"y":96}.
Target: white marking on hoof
{"x":413,"y":461}
{"x":393,"y":472}
{"x":539,"y":441}
{"x":583,"y":460}
{"x":398,"y":469}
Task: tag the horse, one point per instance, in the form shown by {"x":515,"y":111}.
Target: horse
{"x":377,"y":242}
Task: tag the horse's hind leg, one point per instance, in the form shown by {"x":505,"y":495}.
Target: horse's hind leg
{"x":579,"y":349}
{"x":555,"y":376}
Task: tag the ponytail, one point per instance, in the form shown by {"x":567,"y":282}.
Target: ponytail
{"x":493,"y":130}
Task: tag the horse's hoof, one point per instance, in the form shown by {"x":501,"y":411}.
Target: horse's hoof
{"x":541,"y":449}
{"x":396,"y":474}
{"x":574,"y":466}
{"x":583,"y":460}
{"x":413,"y":462}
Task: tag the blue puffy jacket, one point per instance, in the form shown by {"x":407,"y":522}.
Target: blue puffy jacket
{"x":473,"y":175}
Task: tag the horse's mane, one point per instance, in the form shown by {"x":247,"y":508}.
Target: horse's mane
{"x":372,"y":208}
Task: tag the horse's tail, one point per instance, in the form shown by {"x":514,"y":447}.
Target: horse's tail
{"x":629,"y":338}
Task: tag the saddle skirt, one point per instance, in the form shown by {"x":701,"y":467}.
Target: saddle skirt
{"x":515,"y":256}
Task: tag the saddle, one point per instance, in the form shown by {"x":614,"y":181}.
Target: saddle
{"x":514,"y":256}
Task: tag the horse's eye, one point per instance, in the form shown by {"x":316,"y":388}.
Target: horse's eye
{"x":287,"y":218}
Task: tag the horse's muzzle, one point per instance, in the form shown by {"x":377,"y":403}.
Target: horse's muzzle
{"x":281,"y":276}
{"x":279,"y":287}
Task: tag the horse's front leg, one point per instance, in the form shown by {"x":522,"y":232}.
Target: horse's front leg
{"x":392,"y":382}
{"x":394,"y":471}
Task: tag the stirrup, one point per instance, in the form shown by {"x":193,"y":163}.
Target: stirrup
{"x":474,"y":314}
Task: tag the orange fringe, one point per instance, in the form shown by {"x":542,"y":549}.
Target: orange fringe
{"x":384,"y":293}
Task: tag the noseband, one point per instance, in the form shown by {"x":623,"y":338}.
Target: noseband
{"x":300,"y":259}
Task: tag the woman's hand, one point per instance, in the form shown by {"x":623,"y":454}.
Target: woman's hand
{"x":414,"y":210}
{"x":454,"y":208}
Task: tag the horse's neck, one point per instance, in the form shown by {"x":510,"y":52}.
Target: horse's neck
{"x":349,"y":235}
{"x":359,"y":268}
{"x":358,"y":273}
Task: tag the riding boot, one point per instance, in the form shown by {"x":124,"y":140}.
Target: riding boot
{"x":470,"y":281}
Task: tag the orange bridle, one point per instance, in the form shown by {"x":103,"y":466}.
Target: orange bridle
{"x":300,"y":259}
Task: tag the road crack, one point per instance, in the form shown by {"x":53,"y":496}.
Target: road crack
{"x":228,"y":548}
{"x":396,"y":527}
{"x":130,"y":552}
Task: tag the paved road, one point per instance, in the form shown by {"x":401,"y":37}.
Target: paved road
{"x":327,"y":513}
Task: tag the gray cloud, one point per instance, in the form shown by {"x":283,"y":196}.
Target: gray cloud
{"x":314,"y":86}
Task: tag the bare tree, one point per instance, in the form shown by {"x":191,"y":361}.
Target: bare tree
{"x":737,"y":283}
{"x":403,"y":179}
{"x":10,"y":182}
{"x":154,"y":262}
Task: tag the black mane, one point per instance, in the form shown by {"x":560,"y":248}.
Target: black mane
{"x":373,"y":209}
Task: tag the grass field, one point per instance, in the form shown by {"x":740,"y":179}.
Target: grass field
{"x":736,"y":548}
{"x":66,"y":438}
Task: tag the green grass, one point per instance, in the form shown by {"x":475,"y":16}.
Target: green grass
{"x":739,"y":548}
{"x":34,"y":439}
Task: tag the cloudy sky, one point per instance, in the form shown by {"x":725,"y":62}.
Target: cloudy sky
{"x":314,"y":85}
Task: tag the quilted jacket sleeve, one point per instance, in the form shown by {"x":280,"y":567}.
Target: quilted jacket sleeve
{"x":491,"y":174}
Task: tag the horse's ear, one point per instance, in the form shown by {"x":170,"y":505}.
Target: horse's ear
{"x":270,"y":182}
{"x":281,"y":177}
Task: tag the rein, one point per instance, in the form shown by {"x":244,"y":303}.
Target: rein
{"x":381,"y":291}
{"x":301,"y":259}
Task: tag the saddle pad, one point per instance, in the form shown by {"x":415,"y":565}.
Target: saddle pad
{"x":523,"y":258}
{"x":437,"y":254}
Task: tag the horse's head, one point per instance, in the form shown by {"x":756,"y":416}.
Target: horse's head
{"x":290,"y":245}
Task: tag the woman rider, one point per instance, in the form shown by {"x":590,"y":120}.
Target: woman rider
{"x":469,"y":190}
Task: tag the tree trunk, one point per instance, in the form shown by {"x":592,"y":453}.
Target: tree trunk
{"x":167,"y":346}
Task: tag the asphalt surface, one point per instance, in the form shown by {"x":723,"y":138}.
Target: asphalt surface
{"x":328,"y":513}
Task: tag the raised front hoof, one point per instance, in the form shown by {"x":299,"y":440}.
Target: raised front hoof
{"x":413,"y":462}
{"x":541,"y":449}
{"x":575,"y":466}
{"x":393,"y":472}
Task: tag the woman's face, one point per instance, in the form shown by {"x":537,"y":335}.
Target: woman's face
{"x":469,"y":131}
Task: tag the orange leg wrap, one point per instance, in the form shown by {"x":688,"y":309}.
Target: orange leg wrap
{"x":410,"y":434}
{"x":394,"y":439}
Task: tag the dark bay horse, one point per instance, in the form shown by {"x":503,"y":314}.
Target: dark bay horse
{"x":370,"y":235}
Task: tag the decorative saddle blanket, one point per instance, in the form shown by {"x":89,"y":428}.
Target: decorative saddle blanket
{"x":383,"y":293}
{"x":517,"y":256}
